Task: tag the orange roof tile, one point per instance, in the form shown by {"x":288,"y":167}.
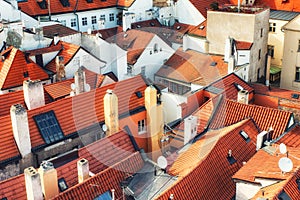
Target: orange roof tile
{"x":111,"y":177}
{"x":291,"y":5}
{"x":68,"y":52}
{"x":265,"y":165}
{"x":199,"y":30}
{"x":14,"y":67}
{"x":230,"y":112}
{"x":59,"y":90}
{"x":9,"y":99}
{"x":9,"y":148}
{"x":92,"y":78}
{"x":106,"y":34}
{"x":49,"y":49}
{"x":32,"y":8}
{"x":193,"y":67}
{"x":107,"y":151}
{"x":51,"y":30}
{"x":13,"y":188}
{"x":291,"y":138}
{"x":241,"y":45}
{"x":204,"y":5}
{"x":197,"y":179}
{"x":84,"y":110}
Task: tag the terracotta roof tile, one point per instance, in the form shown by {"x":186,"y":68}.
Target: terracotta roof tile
{"x":197,"y":179}
{"x":106,"y":34}
{"x":9,"y":99}
{"x":204,"y":5}
{"x":32,"y":8}
{"x":14,"y":67}
{"x":49,"y":49}
{"x":69,"y":173}
{"x":265,"y":165}
{"x":107,"y":151}
{"x":13,"y":188}
{"x":7,"y":140}
{"x":291,"y":5}
{"x":68,"y":52}
{"x":59,"y":90}
{"x":241,"y":45}
{"x":291,"y":138}
{"x":111,"y":176}
{"x":199,"y":30}
{"x":230,"y":112}
{"x":193,"y":67}
{"x":51,"y":30}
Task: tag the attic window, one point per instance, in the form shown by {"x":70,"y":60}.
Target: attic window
{"x":89,"y":1}
{"x":62,"y":185}
{"x":65,"y":3}
{"x":42,"y":4}
{"x":245,"y":136}
{"x":139,"y":94}
{"x":49,"y":127}
{"x":295,"y":96}
{"x":25,"y":74}
{"x":213,"y":64}
{"x":104,"y":196}
{"x":230,"y":158}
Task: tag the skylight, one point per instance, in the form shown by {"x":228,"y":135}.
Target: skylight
{"x":139,"y":94}
{"x":245,"y":136}
{"x":49,"y":127}
{"x":62,"y":185}
{"x":238,"y":86}
{"x":104,"y":196}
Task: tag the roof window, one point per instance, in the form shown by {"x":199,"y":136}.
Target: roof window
{"x":42,"y":4}
{"x":49,"y":127}
{"x":295,"y":96}
{"x":62,"y":184}
{"x":238,"y":86}
{"x":230,"y":158}
{"x":245,"y":136}
{"x":298,"y":183}
{"x":139,"y":94}
{"x":104,"y":196}
{"x":65,"y":3}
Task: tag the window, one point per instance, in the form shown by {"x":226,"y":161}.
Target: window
{"x":84,"y":21}
{"x":155,"y":48}
{"x":298,"y":45}
{"x":94,"y":20}
{"x":48,"y":127}
{"x":129,"y":69}
{"x":261,"y":32}
{"x":259,"y":54}
{"x":143,"y":70}
{"x":63,"y":22}
{"x":62,"y":185}
{"x":271,"y":51}
{"x":297,"y":75}
{"x":111,"y":17}
{"x":272,"y":27}
{"x":102,"y":17}
{"x":245,"y":136}
{"x":73,"y":22}
{"x":142,"y":126}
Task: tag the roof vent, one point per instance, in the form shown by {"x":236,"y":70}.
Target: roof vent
{"x":295,"y":96}
{"x":201,"y":27}
{"x":178,"y":27}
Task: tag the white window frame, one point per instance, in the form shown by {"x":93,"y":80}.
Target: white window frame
{"x":111,"y":17}
{"x":142,"y":126}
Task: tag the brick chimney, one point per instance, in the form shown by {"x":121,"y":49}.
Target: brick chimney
{"x":48,"y":180}
{"x":83,"y":170}
{"x":155,"y":121}
{"x":60,"y":68}
{"x":111,"y":112}
{"x":33,"y":184}
{"x":33,"y":94}
{"x":20,"y":128}
{"x":80,"y":81}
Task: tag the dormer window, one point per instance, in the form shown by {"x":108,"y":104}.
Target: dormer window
{"x":65,"y":3}
{"x":42,"y":4}
{"x":245,"y":136}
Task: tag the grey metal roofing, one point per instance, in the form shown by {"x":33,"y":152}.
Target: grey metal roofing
{"x":283,"y":15}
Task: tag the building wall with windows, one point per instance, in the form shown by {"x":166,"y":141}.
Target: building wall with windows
{"x":290,"y":74}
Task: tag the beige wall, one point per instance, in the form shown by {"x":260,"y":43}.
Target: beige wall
{"x":276,"y":39}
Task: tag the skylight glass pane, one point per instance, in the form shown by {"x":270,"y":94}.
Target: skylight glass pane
{"x":49,"y":127}
{"x":104,"y":196}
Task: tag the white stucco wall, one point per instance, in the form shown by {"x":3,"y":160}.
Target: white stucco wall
{"x":194,"y":43}
{"x":243,"y":57}
{"x":246,"y":190}
{"x":9,"y":12}
{"x":47,"y":57}
{"x":186,"y":13}
{"x":243,"y":72}
{"x":139,"y":8}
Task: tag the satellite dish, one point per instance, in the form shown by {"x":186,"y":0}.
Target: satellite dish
{"x":162,"y":162}
{"x":282,"y":148}
{"x":285,"y":164}
{"x":73,"y":86}
{"x":104,"y":127}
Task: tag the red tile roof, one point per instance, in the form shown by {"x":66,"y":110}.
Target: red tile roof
{"x":84,"y":110}
{"x":197,"y":179}
{"x":106,"y":34}
{"x":241,"y":45}
{"x":230,"y":112}
{"x":49,"y":49}
{"x":193,"y":67}
{"x":291,"y":138}
{"x":59,"y":90}
{"x":32,"y":8}
{"x":290,"y":5}
{"x":13,"y":188}
{"x":9,"y":99}
{"x":51,"y":30}
{"x":68,"y":51}
{"x":204,"y":5}
{"x":13,"y":68}
{"x":199,"y":30}
{"x":104,"y":181}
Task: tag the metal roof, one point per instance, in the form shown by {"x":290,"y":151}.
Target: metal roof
{"x":283,"y":15}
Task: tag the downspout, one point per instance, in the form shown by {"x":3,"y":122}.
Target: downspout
{"x":77,"y":18}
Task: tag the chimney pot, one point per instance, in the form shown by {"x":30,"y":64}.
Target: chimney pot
{"x":33,"y":184}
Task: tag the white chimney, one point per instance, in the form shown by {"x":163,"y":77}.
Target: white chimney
{"x":49,"y":180}
{"x":83,"y":170}
{"x":19,"y":121}
{"x":80,"y":81}
{"x":56,"y":39}
{"x":33,"y":184}
{"x":33,"y":94}
{"x":231,"y":64}
{"x":261,"y":138}
{"x":243,"y":96}
{"x":190,"y":128}
{"x":111,"y":112}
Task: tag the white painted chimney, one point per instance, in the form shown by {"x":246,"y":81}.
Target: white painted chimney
{"x":261,"y":138}
{"x":190,"y":128}
{"x":231,"y":64}
{"x":243,"y":96}
{"x":80,"y":81}
{"x":20,"y":128}
{"x":33,"y":94}
{"x":83,"y":170}
{"x":33,"y":184}
{"x":49,"y":180}
{"x":111,"y":112}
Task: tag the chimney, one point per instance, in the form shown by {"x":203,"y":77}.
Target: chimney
{"x":60,"y":68}
{"x":155,"y":121}
{"x":80,"y":81}
{"x":127,"y":20}
{"x":33,"y":184}
{"x":111,"y":113}
{"x":20,"y":128}
{"x":243,"y":96}
{"x":190,"y":128}
{"x":56,"y":38}
{"x":83,"y":170}
{"x":261,"y":138}
{"x":228,"y":49}
{"x":231,"y":64}
{"x":48,"y":179}
{"x":33,"y":94}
